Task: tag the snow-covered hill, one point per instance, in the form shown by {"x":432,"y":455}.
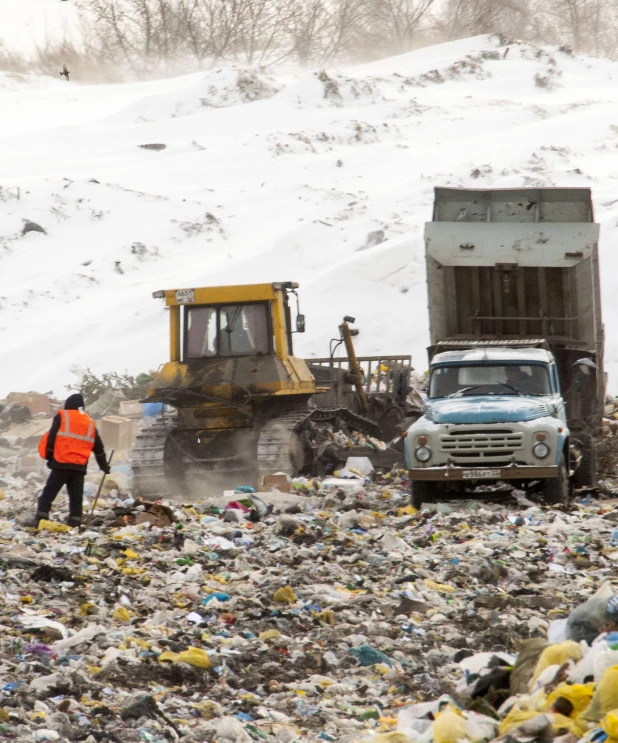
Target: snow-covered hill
{"x":326,"y":179}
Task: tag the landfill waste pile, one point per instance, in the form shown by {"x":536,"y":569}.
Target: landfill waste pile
{"x":332,"y":612}
{"x":610,"y":418}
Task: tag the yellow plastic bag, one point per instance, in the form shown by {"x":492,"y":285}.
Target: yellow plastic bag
{"x":285,"y":595}
{"x":52,"y":526}
{"x":269,"y":634}
{"x":515,"y":718}
{"x":325,"y":616}
{"x":556,"y":655}
{"x":192,"y":656}
{"x":442,"y":587}
{"x":605,"y":699}
{"x":610,"y":725}
{"x":392,"y":737}
{"x":449,"y":726}
{"x":580,"y":696}
{"x":121,"y":614}
{"x":560,"y":723}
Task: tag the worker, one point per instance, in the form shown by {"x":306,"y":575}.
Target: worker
{"x":67,"y":446}
{"x":517,"y":377}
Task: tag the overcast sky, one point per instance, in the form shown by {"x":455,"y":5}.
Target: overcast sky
{"x":23,"y":23}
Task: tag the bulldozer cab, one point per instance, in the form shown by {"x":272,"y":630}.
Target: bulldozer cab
{"x":228,"y":321}
{"x":231,"y":343}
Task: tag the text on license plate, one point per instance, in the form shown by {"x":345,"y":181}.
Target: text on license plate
{"x":481,"y":474}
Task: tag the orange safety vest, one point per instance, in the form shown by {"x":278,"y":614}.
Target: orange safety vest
{"x":74,"y":440}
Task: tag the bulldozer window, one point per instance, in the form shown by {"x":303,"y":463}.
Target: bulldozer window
{"x":202,"y":332}
{"x":229,"y":330}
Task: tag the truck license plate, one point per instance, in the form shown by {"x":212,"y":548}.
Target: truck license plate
{"x":481,"y":474}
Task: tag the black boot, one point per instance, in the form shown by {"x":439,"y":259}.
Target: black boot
{"x":74,"y":520}
{"x":33,"y":523}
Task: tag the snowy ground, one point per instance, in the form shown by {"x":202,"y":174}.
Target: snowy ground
{"x":269,"y":178}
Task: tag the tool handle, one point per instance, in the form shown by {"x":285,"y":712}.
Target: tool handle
{"x":96,"y":500}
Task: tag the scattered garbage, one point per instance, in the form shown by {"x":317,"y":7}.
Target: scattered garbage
{"x":327,"y":610}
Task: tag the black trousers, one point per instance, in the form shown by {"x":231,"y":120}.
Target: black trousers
{"x":75,"y":487}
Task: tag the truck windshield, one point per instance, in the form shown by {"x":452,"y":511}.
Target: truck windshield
{"x":227,"y":330}
{"x":490,"y":379}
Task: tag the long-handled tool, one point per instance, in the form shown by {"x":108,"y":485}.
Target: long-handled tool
{"x":96,"y":500}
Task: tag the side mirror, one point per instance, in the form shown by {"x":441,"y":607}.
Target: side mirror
{"x":300,"y":323}
{"x":586,"y":367}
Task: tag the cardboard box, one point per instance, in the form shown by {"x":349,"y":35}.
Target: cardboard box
{"x":134,"y":410}
{"x":34,"y":401}
{"x":117,"y":432}
{"x":29,"y":434}
{"x":131,"y":409}
{"x":273,"y":482}
{"x":29,"y":463}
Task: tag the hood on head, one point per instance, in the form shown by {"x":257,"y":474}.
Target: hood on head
{"x":74,"y":402}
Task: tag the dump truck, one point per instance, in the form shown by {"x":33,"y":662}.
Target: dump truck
{"x":516,"y":383}
{"x":243,"y":406}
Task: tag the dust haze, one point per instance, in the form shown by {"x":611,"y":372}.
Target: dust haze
{"x":126,"y":40}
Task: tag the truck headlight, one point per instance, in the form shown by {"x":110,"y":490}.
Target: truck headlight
{"x":423,"y":454}
{"x":540,"y":450}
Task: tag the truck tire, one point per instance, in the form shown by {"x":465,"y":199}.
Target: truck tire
{"x":557,"y":489}
{"x":586,"y":473}
{"x":421,"y":492}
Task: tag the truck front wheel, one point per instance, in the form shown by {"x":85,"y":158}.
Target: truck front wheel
{"x":421,"y":491}
{"x":557,"y":488}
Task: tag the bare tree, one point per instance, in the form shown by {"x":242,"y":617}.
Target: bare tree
{"x":461,"y":18}
{"x":309,"y":26}
{"x":586,"y":25}
{"x":396,"y":23}
{"x":123,"y":38}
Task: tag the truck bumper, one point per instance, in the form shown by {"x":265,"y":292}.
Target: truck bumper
{"x":450,"y":474}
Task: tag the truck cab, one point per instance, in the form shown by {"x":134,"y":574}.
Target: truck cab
{"x":492,"y":413}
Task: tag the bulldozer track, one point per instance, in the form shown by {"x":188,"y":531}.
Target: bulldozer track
{"x":277,"y":443}
{"x":148,"y":461}
{"x":279,"y":447}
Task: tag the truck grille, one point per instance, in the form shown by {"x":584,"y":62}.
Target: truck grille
{"x":481,"y":445}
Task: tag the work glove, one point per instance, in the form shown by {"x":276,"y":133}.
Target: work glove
{"x":106,"y":469}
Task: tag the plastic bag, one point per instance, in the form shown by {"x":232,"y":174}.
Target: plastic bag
{"x":605,"y":699}
{"x":595,"y":662}
{"x":610,"y":725}
{"x":515,"y":718}
{"x":52,"y":526}
{"x":556,"y":655}
{"x":368,"y":656}
{"x":585,"y":621}
{"x":192,"y":656}
{"x":580,"y":696}
{"x":285,"y":595}
{"x":392,"y":737}
{"x":449,"y":726}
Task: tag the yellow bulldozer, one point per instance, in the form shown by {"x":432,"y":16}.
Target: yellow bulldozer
{"x":242,"y":405}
